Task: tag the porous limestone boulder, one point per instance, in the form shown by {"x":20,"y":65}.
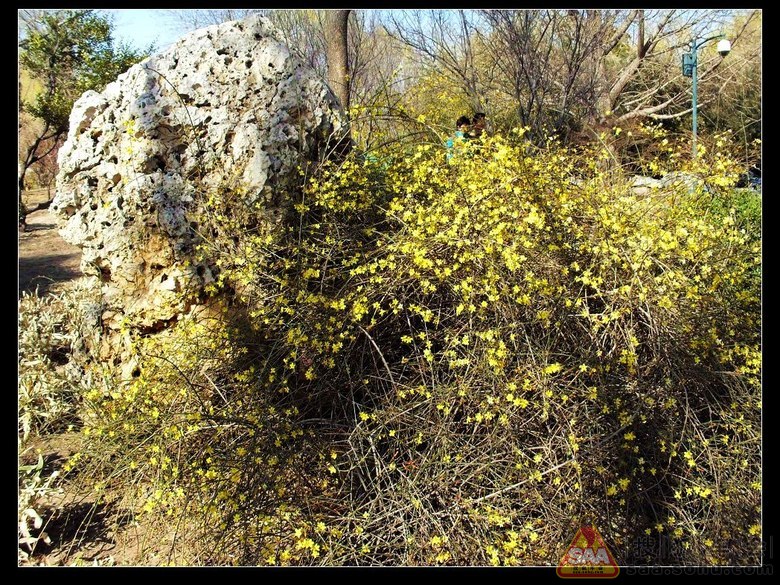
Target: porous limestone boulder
{"x":642,"y":186}
{"x":227,"y":104}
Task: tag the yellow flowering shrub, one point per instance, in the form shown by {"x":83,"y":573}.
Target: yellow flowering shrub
{"x":431,"y":362}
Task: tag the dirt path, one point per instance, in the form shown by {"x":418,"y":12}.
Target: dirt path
{"x":45,"y":259}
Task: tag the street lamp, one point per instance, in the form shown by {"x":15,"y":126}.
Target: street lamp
{"x":690,"y":65}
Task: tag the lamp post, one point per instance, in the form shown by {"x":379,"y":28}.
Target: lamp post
{"x":690,"y":66}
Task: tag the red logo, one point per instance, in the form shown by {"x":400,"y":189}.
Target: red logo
{"x":588,"y":557}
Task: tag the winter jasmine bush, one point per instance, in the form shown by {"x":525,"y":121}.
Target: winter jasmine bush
{"x":430,"y":362}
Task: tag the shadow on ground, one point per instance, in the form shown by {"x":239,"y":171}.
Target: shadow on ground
{"x":88,"y":528}
{"x":45,"y":259}
{"x":39,"y":274}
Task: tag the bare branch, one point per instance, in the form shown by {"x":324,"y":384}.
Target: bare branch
{"x":652,"y":111}
{"x":610,"y":45}
{"x":678,"y":114}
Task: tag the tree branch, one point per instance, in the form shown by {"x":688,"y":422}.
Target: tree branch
{"x":678,"y":114}
{"x":651,"y":112}
{"x":615,"y":39}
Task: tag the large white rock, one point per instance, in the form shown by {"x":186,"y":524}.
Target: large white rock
{"x":225,"y":104}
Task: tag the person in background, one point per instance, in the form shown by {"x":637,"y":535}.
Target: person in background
{"x":478,"y":126}
{"x":462,"y":126}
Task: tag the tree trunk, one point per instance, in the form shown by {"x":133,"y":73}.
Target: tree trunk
{"x":336,"y":53}
{"x":22,"y":209}
{"x":338,"y":65}
{"x":640,"y":38}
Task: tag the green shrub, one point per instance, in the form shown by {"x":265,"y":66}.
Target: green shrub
{"x":745,"y":207}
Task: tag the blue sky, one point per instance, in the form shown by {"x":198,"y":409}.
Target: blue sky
{"x":139,"y":27}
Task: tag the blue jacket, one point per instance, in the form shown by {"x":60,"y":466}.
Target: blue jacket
{"x":460,"y":136}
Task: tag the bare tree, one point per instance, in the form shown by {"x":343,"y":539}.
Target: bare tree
{"x":561,"y":69}
{"x":649,"y":83}
{"x":523,"y":46}
{"x":445,"y":38}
